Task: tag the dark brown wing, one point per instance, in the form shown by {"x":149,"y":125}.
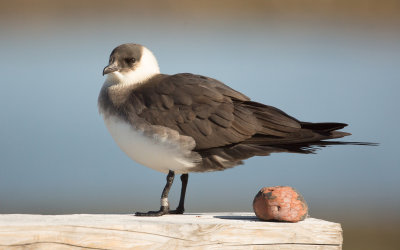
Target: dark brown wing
{"x":208,"y":111}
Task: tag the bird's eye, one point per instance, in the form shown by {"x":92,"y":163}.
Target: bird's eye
{"x":130,"y":60}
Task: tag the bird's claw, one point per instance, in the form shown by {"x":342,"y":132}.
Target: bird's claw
{"x":163,"y":210}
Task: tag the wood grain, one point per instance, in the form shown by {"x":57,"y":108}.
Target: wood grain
{"x":194,"y":231}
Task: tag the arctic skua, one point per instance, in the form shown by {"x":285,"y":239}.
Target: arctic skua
{"x":184,"y":123}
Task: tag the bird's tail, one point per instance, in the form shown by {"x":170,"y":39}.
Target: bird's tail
{"x":216,"y":159}
{"x":323,"y":126}
{"x":312,"y":147}
{"x":326,"y":129}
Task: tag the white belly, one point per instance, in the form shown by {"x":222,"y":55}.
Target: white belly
{"x":155,"y":153}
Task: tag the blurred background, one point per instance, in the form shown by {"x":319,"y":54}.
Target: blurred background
{"x":316,"y":60}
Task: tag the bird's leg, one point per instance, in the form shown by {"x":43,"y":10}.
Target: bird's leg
{"x":164,"y":209}
{"x":181,"y":207}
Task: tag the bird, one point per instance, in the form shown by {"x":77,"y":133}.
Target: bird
{"x":185,"y":123}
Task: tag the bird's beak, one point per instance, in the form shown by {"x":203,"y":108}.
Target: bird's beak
{"x":110,"y":68}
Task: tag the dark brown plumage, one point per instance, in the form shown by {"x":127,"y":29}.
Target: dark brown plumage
{"x":222,"y":121}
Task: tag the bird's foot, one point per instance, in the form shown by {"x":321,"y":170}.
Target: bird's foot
{"x":178,"y":210}
{"x":163,"y":210}
{"x":151,"y":213}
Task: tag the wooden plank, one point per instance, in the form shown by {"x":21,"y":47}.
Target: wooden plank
{"x":195,"y":231}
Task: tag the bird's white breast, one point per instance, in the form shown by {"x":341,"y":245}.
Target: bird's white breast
{"x":155,"y":152}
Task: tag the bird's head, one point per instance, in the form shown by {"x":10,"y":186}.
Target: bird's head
{"x":131,"y":64}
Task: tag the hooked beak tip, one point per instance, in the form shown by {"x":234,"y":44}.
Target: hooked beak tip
{"x":110,"y":68}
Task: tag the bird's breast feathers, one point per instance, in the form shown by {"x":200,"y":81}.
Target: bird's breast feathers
{"x":159,"y":148}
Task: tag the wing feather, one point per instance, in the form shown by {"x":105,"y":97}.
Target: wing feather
{"x":213,"y":114}
{"x":196,"y":106}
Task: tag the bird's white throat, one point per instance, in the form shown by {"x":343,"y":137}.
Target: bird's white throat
{"x":146,"y":68}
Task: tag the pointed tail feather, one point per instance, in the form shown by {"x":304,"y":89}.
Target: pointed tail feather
{"x":323,"y":126}
{"x":217,"y":159}
{"x":311,"y":147}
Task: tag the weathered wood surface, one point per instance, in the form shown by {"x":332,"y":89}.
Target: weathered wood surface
{"x":194,"y":231}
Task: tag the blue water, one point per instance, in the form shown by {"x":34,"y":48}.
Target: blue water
{"x":56,"y":155}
